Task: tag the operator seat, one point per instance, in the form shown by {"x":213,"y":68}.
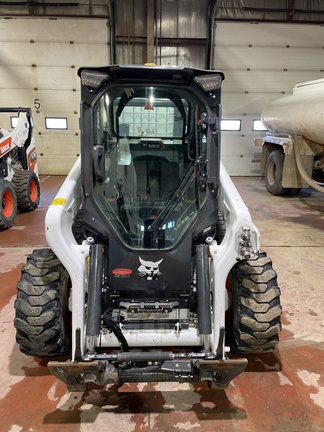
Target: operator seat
{"x":157,"y":178}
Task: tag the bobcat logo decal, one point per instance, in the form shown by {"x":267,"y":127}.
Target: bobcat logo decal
{"x":149,"y":269}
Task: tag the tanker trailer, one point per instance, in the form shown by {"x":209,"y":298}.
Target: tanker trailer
{"x":293,"y":149}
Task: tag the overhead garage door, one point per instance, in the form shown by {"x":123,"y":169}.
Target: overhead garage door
{"x":262,"y":62}
{"x":38,"y":68}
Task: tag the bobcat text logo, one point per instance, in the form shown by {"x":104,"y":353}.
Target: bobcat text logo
{"x":149,"y":269}
{"x":5,"y":146}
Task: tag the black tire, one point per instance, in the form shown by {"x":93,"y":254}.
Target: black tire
{"x":293,"y":191}
{"x":256,"y":306}
{"x":43,"y":321}
{"x":8,"y":209}
{"x":274,"y":172}
{"x":27,"y":188}
{"x":78,"y":228}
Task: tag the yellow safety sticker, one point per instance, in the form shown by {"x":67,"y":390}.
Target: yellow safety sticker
{"x":59,"y":201}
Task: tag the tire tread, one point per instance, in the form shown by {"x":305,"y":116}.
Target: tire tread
{"x":40,"y":306}
{"x":256,"y":306}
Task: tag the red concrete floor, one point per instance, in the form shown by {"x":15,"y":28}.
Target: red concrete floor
{"x":281,"y":392}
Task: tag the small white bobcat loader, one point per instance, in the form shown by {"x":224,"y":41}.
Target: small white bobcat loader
{"x":19,"y":183}
{"x":155,"y":271}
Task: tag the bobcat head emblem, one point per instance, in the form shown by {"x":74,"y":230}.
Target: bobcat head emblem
{"x":149,"y":270}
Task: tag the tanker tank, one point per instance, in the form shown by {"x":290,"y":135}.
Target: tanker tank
{"x":301,"y":113}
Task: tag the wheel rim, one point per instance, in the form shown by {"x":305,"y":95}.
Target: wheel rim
{"x":272,"y":172}
{"x":33,"y":191}
{"x":7,"y":204}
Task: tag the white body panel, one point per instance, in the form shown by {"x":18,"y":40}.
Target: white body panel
{"x":151,"y":338}
{"x":58,"y":229}
{"x":224,"y":256}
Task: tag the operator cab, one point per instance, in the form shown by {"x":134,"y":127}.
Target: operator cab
{"x":150,"y":154}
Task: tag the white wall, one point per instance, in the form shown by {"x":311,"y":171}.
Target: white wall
{"x":262,"y":62}
{"x":39,"y":60}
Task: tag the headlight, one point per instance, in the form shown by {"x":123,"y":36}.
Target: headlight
{"x":209,"y":83}
{"x":93,"y":79}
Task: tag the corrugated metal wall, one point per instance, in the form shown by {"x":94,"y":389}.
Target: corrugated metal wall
{"x":182,"y":30}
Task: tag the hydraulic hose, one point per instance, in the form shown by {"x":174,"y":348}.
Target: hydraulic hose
{"x":95,"y":290}
{"x":203,"y":291}
{"x":114,"y":327}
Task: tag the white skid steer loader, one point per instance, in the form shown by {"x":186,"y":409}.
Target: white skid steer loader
{"x":19,"y":182}
{"x":154,"y":271}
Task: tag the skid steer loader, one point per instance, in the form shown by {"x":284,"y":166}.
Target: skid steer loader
{"x":19,"y":182}
{"x":154,"y":271}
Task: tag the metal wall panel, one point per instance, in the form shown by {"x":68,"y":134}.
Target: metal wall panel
{"x":179,"y":21}
{"x":62,"y":8}
{"x":194,"y":56}
{"x":130,"y":18}
{"x":186,"y":20}
{"x":261,"y":62}
{"x":183,"y":19}
{"x":38,"y":64}
{"x":130,"y":22}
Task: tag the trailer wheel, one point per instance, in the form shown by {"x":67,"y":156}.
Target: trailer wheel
{"x":43,"y":320}
{"x":256,"y":306}
{"x":274,"y":172}
{"x":8,"y":209}
{"x":27,"y":188}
